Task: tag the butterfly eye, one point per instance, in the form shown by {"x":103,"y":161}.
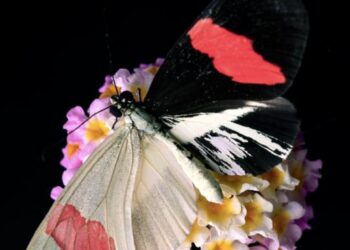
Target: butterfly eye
{"x":115,"y":98}
{"x":126,"y":97}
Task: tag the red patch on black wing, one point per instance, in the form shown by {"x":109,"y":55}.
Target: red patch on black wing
{"x":233,"y":55}
{"x":71,"y":231}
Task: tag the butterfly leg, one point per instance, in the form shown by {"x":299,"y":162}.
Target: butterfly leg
{"x":139,"y":96}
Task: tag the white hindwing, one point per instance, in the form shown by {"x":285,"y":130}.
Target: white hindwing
{"x":135,"y":188}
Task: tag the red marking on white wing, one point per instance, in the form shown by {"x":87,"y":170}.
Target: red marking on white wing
{"x":71,"y":231}
{"x":233,"y":55}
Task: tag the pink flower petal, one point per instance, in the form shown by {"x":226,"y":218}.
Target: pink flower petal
{"x":268,"y":243}
{"x":312,"y":175}
{"x":78,"y":136}
{"x":70,"y":162}
{"x":96,"y":106}
{"x":86,"y":151}
{"x":159,"y":61}
{"x":258,"y":248}
{"x":303,"y":222}
{"x":313,"y":165}
{"x":295,"y":210}
{"x":68,"y":175}
{"x":292,"y":235}
{"x":121,"y":79}
{"x":108,"y":81}
{"x":75,"y":116}
{"x":299,"y":141}
{"x":300,"y":155}
{"x":55,"y":192}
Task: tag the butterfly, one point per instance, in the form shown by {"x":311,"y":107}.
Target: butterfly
{"x":214,"y":105}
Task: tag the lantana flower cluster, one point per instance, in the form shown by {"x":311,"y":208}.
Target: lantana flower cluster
{"x":266,"y":212}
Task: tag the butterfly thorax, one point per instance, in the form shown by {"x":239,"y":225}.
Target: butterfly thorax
{"x":125,"y":107}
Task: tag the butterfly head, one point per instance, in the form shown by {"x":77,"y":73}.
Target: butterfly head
{"x":123,"y":104}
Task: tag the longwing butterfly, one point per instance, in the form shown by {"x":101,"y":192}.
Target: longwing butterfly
{"x":214,"y":104}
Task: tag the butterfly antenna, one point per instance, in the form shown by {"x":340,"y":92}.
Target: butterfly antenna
{"x":108,"y":46}
{"x":110,"y":61}
{"x":89,"y":118}
{"x":45,"y":151}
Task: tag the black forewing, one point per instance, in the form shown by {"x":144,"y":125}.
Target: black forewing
{"x":278,"y":30}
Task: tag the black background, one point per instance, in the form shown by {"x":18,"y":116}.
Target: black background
{"x":54,"y":57}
